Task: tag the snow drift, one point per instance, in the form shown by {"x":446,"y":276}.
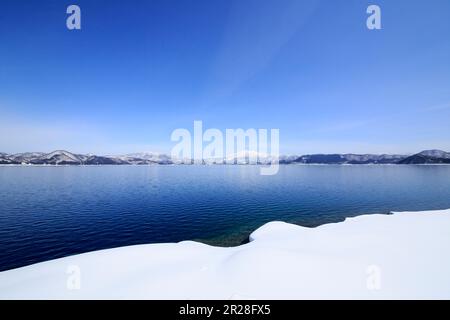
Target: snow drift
{"x":400,"y":256}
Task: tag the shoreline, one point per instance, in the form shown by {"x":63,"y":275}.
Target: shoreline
{"x":212,"y":165}
{"x":280,"y":261}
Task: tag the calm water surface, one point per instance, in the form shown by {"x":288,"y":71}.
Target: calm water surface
{"x":52,"y":212}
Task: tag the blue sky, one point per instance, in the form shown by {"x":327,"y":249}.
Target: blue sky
{"x":137,"y":70}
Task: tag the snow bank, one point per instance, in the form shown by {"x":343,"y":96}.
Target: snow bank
{"x":405,"y":255}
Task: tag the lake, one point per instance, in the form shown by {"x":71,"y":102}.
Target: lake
{"x":52,"y":212}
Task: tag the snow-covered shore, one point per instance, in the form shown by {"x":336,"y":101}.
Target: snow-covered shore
{"x":400,"y":256}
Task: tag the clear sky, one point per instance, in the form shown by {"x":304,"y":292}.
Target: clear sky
{"x":137,"y":70}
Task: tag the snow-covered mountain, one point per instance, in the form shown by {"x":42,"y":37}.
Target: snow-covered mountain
{"x":436,"y":154}
{"x":57,"y":157}
{"x":25,"y":157}
{"x":349,"y":158}
{"x":248,"y":157}
{"x":62,"y":157}
{"x":428,"y":157}
{"x":4,"y":159}
{"x":144,"y":158}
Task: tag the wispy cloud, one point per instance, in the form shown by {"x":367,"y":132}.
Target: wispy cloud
{"x":251,"y":40}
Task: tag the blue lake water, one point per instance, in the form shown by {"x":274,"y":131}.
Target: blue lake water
{"x":52,"y":212}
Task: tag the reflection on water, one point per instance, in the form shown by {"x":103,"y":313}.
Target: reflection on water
{"x":51,"y":212}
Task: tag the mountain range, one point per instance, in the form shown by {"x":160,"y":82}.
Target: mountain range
{"x":62,"y":157}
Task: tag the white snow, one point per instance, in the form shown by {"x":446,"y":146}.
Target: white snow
{"x":436,"y":154}
{"x":400,"y":256}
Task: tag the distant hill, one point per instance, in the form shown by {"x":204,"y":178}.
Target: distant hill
{"x":349,"y":159}
{"x":428,"y":157}
{"x":62,"y":157}
{"x":4,"y":159}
